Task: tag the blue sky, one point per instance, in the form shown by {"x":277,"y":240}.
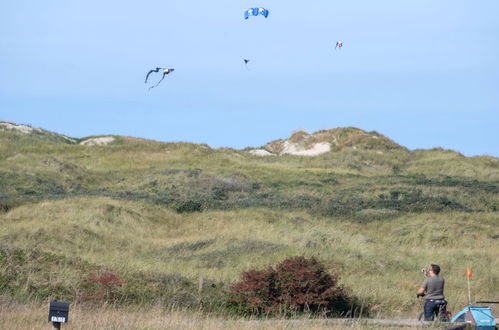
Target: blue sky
{"x":425,"y":73}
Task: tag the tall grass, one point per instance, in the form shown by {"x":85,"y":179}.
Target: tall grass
{"x":33,"y":316}
{"x":160,"y":214}
{"x":378,"y":260}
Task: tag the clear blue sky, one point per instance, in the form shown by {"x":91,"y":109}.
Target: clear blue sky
{"x":425,"y":73}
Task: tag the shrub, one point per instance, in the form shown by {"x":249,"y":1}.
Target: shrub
{"x":219,"y":193}
{"x":189,"y":206}
{"x":295,"y":285}
{"x":8,"y":203}
{"x":109,"y":284}
{"x":256,"y":292}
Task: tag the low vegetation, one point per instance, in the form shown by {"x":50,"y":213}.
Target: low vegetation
{"x":143,"y":223}
{"x":33,"y":316}
{"x":296,"y":285}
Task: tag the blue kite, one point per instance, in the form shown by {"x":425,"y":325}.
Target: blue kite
{"x":255,"y":12}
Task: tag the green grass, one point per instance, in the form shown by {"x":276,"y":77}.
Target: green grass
{"x":68,"y":211}
{"x":378,"y":260}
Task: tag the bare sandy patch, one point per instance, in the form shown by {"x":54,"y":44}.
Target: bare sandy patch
{"x":101,"y":141}
{"x":316,"y":149}
{"x":19,"y":128}
{"x":261,"y":152}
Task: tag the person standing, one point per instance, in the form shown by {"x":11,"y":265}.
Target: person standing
{"x":432,"y":290}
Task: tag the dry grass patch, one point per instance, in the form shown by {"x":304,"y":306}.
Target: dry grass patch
{"x":15,"y":316}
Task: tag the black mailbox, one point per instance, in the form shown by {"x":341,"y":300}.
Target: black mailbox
{"x":59,"y":312}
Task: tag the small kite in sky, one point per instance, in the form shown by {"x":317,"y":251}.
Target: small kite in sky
{"x":165,"y":71}
{"x":246,"y":63}
{"x":255,"y":12}
{"x":339,"y":44}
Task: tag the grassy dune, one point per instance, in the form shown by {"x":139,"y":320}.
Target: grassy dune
{"x":378,"y":260}
{"x":160,"y":214}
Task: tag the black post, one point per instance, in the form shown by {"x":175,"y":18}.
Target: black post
{"x":56,"y":325}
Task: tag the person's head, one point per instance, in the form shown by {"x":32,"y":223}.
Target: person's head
{"x":435,"y":269}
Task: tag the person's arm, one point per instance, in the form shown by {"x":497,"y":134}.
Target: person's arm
{"x":422,"y":290}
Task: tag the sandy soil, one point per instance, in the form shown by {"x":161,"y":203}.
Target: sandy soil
{"x":261,"y":152}
{"x":20,"y":128}
{"x":98,"y":141}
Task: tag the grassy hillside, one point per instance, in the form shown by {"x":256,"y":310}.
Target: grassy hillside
{"x":160,"y":214}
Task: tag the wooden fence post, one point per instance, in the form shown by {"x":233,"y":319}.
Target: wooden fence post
{"x":200,"y":283}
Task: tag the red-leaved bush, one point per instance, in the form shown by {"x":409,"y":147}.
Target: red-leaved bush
{"x":109,"y":285}
{"x":297,"y":284}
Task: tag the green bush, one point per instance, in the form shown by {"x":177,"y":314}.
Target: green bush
{"x":189,"y":206}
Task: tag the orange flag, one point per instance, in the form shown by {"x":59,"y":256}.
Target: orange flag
{"x":468,"y":272}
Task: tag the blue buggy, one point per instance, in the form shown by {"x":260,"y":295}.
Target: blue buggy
{"x":476,"y":317}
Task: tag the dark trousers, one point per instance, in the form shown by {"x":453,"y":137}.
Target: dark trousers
{"x":430,"y":309}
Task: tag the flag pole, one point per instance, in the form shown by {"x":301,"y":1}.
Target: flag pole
{"x":469,"y":275}
{"x":469,"y":292}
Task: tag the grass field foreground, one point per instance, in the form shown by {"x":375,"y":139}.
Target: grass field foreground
{"x":151,"y":318}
